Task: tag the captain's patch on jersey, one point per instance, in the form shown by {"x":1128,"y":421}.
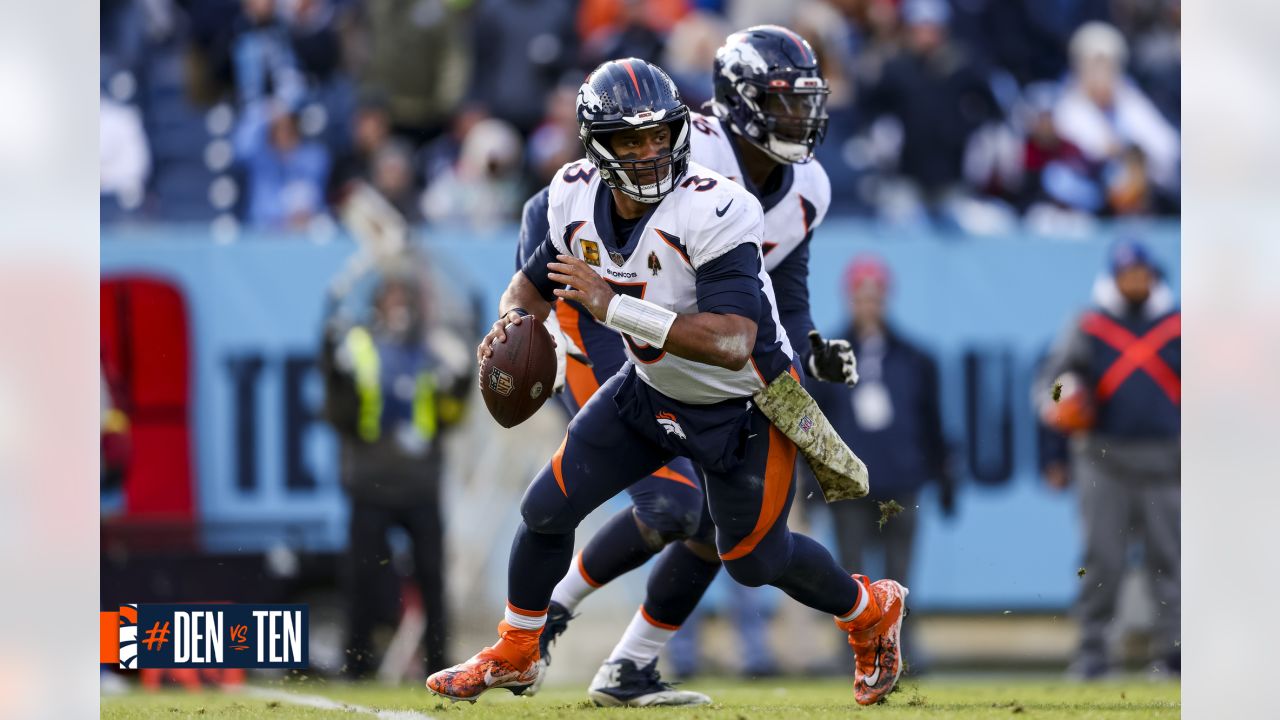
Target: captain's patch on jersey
{"x":591,"y":252}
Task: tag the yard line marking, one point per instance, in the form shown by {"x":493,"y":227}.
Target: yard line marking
{"x":324,"y":703}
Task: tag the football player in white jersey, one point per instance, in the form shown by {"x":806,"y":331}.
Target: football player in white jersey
{"x":666,"y":252}
{"x":770,"y":113}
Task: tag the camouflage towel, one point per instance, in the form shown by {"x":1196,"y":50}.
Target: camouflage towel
{"x":840,"y":473}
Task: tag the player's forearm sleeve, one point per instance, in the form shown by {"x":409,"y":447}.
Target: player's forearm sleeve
{"x":791,"y":288}
{"x":535,"y":268}
{"x":730,"y":284}
{"x":533,"y":226}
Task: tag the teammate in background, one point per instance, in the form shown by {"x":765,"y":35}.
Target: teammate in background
{"x":667,"y":252}
{"x":770,"y":112}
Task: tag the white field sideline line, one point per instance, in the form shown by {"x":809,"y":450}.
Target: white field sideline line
{"x":324,"y":703}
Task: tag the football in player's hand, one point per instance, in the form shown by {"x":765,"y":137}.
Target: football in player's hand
{"x":518,"y":377}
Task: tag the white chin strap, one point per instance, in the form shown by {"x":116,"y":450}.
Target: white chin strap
{"x":779,"y":150}
{"x":650,"y":193}
{"x":787,"y":152}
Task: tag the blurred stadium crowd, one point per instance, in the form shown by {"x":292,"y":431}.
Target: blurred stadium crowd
{"x":984,"y":116}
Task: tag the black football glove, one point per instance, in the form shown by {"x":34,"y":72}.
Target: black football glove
{"x":832,"y":360}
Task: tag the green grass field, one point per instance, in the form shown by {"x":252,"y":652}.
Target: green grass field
{"x":985,"y":697}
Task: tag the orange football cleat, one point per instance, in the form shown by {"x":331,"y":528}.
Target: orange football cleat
{"x":512,"y":663}
{"x":876,"y":640}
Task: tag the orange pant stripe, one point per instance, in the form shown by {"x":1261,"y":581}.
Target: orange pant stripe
{"x":777,"y":483}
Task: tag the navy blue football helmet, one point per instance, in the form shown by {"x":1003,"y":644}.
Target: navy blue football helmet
{"x":770,"y":91}
{"x":631,"y":94}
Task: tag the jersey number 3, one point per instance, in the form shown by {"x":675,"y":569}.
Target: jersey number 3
{"x":577,"y":172}
{"x":700,"y":184}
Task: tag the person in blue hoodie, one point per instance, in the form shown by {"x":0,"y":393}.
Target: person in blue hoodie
{"x":892,"y":420}
{"x":1120,"y":368}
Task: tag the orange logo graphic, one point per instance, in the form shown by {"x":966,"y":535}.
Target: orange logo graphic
{"x":157,"y":636}
{"x":669,"y":423}
{"x":240,"y":636}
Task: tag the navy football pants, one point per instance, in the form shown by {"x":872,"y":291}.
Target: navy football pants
{"x":604,"y":453}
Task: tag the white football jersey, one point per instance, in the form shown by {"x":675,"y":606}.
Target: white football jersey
{"x":706,"y":216}
{"x":791,"y":213}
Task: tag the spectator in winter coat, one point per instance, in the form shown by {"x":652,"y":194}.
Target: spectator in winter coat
{"x":1120,"y":400}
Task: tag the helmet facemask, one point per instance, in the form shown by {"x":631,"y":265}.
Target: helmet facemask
{"x":646,"y":180}
{"x":788,"y":120}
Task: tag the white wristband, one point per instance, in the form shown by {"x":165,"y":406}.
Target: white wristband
{"x":640,"y":319}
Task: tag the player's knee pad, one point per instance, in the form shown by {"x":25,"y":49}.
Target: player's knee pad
{"x":548,"y":511}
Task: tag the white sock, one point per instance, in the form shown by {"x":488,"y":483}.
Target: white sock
{"x":864,"y":601}
{"x":643,"y":640}
{"x":522,"y":621}
{"x":574,"y":587}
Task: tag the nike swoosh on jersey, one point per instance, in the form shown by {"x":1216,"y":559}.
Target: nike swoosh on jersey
{"x":721,"y":211}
